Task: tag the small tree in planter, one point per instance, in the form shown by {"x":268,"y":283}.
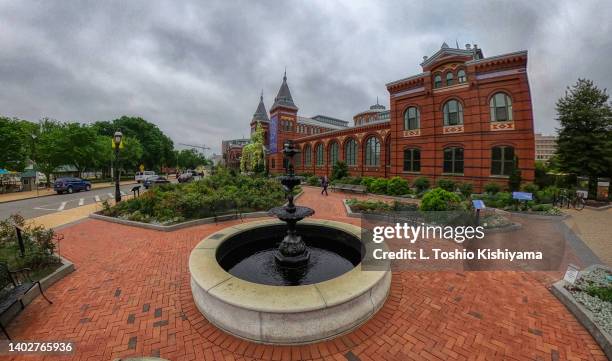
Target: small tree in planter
{"x":339,"y":170}
{"x":514,"y":181}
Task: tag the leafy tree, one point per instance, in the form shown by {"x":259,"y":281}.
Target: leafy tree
{"x":49,"y":154}
{"x":253,"y":154}
{"x":191,"y":159}
{"x":13,"y":144}
{"x":584,"y":146}
{"x":339,"y":170}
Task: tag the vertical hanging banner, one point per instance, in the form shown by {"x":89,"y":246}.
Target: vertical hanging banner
{"x":273,"y":134}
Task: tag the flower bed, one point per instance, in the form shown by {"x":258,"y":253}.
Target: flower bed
{"x":594,"y":290}
{"x":175,"y":203}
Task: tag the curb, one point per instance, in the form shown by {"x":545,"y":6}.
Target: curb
{"x":584,"y":316}
{"x":54,"y":194}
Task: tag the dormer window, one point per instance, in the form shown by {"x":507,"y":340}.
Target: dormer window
{"x":449,"y":79}
{"x":461,"y":78}
{"x":437,"y":81}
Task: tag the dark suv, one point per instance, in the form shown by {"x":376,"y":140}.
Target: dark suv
{"x":70,"y":185}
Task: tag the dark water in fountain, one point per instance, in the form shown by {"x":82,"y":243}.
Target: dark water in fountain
{"x":250,"y":255}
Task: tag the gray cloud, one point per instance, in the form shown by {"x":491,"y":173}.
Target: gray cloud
{"x":196,"y":68}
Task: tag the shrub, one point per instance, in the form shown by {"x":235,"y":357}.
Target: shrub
{"x":439,"y":199}
{"x":421,"y":184}
{"x":38,"y":242}
{"x":447,"y":185}
{"x":466,"y":189}
{"x":348,"y":180}
{"x":546,"y":195}
{"x":313,"y":181}
{"x":378,"y":186}
{"x":397,"y":186}
{"x":530,"y":188}
{"x":514,"y":181}
{"x":492,"y":188}
{"x":367,"y":181}
{"x":339,"y":170}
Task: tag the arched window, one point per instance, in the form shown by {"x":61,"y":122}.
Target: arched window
{"x":501,"y":107}
{"x":307,"y":154}
{"x":502,"y":160}
{"x":449,"y":78}
{"x":372,"y":155}
{"x":319,"y":154}
{"x":412,"y":118}
{"x":350,"y":152}
{"x":412,"y":160}
{"x":297,"y":160}
{"x":333,"y":153}
{"x":461,"y":78}
{"x":453,"y":113}
{"x":453,"y":160}
{"x":437,"y":81}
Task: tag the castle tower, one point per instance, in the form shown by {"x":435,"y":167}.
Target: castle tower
{"x":283,"y":126}
{"x":261,"y":116}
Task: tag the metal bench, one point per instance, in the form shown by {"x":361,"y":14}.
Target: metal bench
{"x":13,"y":286}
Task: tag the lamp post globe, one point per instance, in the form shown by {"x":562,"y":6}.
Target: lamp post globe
{"x":117,"y":141}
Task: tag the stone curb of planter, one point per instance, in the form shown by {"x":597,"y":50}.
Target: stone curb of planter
{"x":603,"y":208}
{"x":534,"y":216}
{"x":174,"y":227}
{"x":584,"y":316}
{"x":65,"y":269}
{"x":509,"y":228}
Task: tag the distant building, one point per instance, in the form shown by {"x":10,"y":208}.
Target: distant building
{"x":231,"y":151}
{"x":545,"y":146}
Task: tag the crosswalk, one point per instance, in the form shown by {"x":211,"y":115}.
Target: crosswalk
{"x":77,"y":202}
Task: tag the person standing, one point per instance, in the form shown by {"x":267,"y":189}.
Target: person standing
{"x":324,"y":185}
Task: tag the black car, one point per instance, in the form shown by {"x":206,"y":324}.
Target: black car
{"x":154,"y":180}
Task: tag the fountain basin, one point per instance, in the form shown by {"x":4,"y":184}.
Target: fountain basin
{"x":283,"y":314}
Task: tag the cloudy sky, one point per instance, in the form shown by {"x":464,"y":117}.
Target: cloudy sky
{"x":196,"y":68}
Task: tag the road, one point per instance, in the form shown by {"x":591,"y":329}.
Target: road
{"x":35,"y":207}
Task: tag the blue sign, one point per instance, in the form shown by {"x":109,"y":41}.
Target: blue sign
{"x":273,"y":134}
{"x":522,"y":196}
{"x":478,"y":204}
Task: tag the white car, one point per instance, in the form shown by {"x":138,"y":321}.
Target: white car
{"x":142,"y":176}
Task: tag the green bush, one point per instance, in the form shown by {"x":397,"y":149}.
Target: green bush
{"x":313,"y":181}
{"x":530,"y":188}
{"x":378,"y":186}
{"x":514,"y":181}
{"x":492,"y":188}
{"x":367,"y":182}
{"x":447,"y":185}
{"x":466,"y":189}
{"x":398,"y":186}
{"x":421,"y":184}
{"x":439,"y":199}
{"x":546,"y":195}
{"x":339,"y":170}
{"x":348,"y":180}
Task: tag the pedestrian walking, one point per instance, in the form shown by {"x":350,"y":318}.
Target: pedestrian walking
{"x":324,"y":185}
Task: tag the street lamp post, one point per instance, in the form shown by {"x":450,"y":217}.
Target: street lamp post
{"x":117,"y":142}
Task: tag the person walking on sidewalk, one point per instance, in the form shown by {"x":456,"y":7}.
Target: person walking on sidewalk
{"x":324,"y":184}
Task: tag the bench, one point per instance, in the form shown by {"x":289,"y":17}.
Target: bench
{"x":354,"y":188}
{"x":226,"y":207}
{"x":13,"y":286}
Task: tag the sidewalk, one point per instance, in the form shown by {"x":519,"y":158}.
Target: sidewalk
{"x":593,"y":227}
{"x":8,"y":197}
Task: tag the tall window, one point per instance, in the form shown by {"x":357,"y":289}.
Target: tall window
{"x":453,"y":113}
{"x":333,"y":153}
{"x":319,"y":154}
{"x":437,"y":81}
{"x":502,"y":160}
{"x":449,"y":78}
{"x":501,"y":107}
{"x":453,"y":160}
{"x":411,"y":118}
{"x":307,"y":155}
{"x":297,"y":160}
{"x":461,"y":77}
{"x":372,"y":156}
{"x":412,"y":160}
{"x":350,"y":152}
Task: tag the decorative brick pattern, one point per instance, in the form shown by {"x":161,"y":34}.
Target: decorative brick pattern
{"x":428,"y":315}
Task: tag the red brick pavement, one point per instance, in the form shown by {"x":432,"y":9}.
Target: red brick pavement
{"x":130,"y":296}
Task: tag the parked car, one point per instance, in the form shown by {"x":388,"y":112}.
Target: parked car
{"x":142,"y":176}
{"x":154,"y":180}
{"x":185,"y":177}
{"x":71,"y":185}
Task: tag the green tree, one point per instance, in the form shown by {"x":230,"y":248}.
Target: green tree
{"x":339,"y":170}
{"x":49,"y":154}
{"x":191,"y":159}
{"x":584,"y":146}
{"x":13,"y":144}
{"x":253,"y":154}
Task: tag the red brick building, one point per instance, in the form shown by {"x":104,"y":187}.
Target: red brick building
{"x":464,"y":117}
